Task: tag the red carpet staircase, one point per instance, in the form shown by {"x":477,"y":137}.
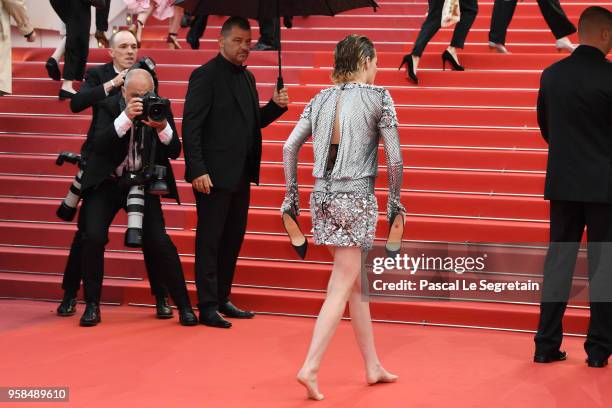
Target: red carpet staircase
{"x":473,"y":156}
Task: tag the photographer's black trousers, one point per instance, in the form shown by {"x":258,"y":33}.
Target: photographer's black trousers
{"x":553,"y":14}
{"x":100,"y":205}
{"x":222,"y":220}
{"x":567,"y":224}
{"x":71,"y":282}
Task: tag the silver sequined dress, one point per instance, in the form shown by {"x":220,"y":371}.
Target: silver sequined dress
{"x":343,"y":205}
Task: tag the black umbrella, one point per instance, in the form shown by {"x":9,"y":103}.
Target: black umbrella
{"x":257,"y":9}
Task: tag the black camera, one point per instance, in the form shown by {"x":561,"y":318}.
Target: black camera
{"x":148,"y":65}
{"x":154,"y":108}
{"x":145,"y":63}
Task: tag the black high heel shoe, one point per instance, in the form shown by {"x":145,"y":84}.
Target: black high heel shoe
{"x":301,"y":248}
{"x":447,"y":56}
{"x":410,"y":74}
{"x":392,"y":248}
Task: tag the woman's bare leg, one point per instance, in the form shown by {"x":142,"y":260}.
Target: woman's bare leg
{"x":347,"y":266}
{"x":362,"y":326}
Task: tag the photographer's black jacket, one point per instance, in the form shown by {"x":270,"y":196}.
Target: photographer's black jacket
{"x":108,"y":150}
{"x":222,"y":124}
{"x":90,"y":93}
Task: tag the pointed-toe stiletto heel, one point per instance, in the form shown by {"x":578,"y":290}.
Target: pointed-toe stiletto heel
{"x":394,"y":238}
{"x":300,"y":248}
{"x":410,"y":74}
{"x":447,"y":56}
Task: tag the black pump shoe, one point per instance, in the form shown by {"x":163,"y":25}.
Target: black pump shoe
{"x":53,"y":70}
{"x":410,"y":74}
{"x":393,"y":248}
{"x":447,"y":56}
{"x":91,"y":315}
{"x":63,"y":95}
{"x":162,"y":308}
{"x":301,"y":248}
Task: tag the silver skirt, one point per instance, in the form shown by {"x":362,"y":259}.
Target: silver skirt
{"x":344,"y":218}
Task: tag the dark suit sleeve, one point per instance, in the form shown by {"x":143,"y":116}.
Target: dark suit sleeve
{"x":91,"y":92}
{"x":105,"y":137}
{"x":198,"y":103}
{"x":270,"y":112}
{"x":542,"y":112}
{"x":173,"y":149}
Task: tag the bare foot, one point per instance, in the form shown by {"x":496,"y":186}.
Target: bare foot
{"x":380,"y":375}
{"x":309,"y":380}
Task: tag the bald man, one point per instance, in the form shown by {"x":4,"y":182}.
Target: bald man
{"x":575,"y":118}
{"x":115,"y":151}
{"x":100,"y":83}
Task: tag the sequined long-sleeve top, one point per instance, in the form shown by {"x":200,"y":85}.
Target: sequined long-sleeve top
{"x":367,"y":115}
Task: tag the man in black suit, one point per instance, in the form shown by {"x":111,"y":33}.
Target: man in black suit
{"x":117,"y":147}
{"x":222,"y":125}
{"x":575,"y":118}
{"x":101,"y":82}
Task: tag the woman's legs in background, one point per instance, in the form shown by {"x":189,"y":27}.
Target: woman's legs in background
{"x":430,"y":27}
{"x":174,"y":24}
{"x":469,"y":10}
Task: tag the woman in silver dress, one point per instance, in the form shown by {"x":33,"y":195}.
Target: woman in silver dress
{"x":346,"y":123}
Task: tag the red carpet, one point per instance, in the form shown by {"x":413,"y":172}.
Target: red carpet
{"x":134,"y":360}
{"x":474,"y":161}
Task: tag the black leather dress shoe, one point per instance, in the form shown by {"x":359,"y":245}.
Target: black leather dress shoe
{"x":596,"y":362}
{"x":162,"y":308}
{"x":549,"y":358}
{"x":230,"y":310}
{"x":53,"y":69}
{"x":91,"y":316}
{"x":187,"y":317}
{"x":214,"y":319}
{"x":68,"y":306}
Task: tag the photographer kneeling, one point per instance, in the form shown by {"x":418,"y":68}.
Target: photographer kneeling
{"x":119,"y":155}
{"x":101,"y":82}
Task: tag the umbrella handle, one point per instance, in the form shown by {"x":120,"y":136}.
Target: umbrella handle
{"x":279,"y":83}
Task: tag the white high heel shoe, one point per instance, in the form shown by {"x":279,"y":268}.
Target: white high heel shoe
{"x":498,"y":47}
{"x":564,"y":44}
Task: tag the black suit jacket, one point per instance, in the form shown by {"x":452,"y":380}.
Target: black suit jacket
{"x":108,"y":150}
{"x":90,"y":93}
{"x":214,"y":126}
{"x":575,"y":118}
